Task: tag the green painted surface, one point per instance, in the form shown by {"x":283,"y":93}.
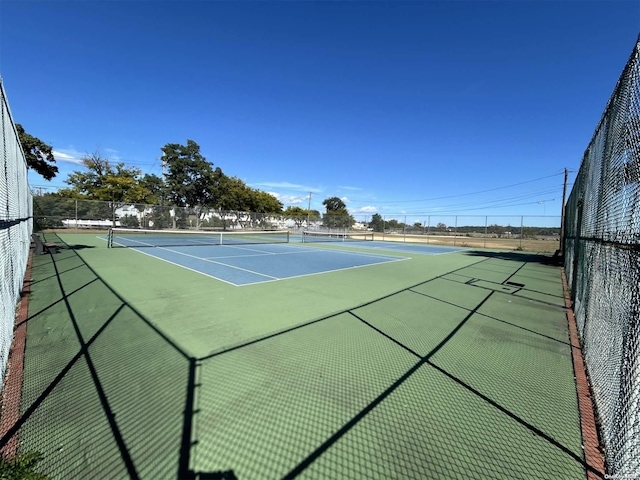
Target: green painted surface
{"x":266,"y":407}
{"x":453,"y":292}
{"x":431,"y":427}
{"x":316,"y":368}
{"x":529,"y":375}
{"x":416,"y":321}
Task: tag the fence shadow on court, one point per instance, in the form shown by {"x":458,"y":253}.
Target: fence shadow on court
{"x":108,"y":394}
{"x":104,"y":392}
{"x":544,"y":259}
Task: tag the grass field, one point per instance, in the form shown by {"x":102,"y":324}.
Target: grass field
{"x":541,"y":245}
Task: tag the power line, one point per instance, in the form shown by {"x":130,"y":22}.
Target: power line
{"x":465,"y":194}
{"x":455,"y":212}
{"x":524,"y":196}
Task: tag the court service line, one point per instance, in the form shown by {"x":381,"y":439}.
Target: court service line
{"x":238,"y":247}
{"x":362,"y":254}
{"x":395,"y":259}
{"x":257,"y":255}
{"x":187,"y":268}
{"x":385,"y":257}
{"x":219,"y":263}
{"x":262,"y":254}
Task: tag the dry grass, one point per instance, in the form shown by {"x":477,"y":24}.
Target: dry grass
{"x":542,"y":245}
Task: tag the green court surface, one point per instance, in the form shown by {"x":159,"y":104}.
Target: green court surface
{"x":446,"y":366}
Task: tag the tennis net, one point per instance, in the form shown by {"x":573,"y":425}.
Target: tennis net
{"x":135,"y":237}
{"x":308,"y":237}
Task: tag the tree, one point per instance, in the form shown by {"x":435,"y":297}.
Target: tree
{"x":190,"y":176}
{"x":156,"y":195}
{"x":377,"y":223}
{"x":314,"y":215}
{"x":297,"y":214}
{"x":115,"y":184}
{"x":334,"y":204}
{"x":51,"y":208}
{"x":156,"y":188}
{"x":248,"y":206}
{"x":191,"y":180}
{"x":496,"y":229}
{"x":39,"y":155}
{"x":394,"y":224}
{"x":301,"y":216}
{"x":129,"y":221}
{"x":336,"y":215}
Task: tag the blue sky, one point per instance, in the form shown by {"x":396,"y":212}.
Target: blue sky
{"x":399,"y":108}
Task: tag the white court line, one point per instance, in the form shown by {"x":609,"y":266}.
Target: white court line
{"x":189,"y":268}
{"x":357,"y":253}
{"x":220,"y":263}
{"x":265,"y":254}
{"x":387,"y":258}
{"x":395,"y":259}
{"x":239,"y":247}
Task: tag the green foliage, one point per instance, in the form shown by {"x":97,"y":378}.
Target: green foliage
{"x":51,"y":209}
{"x":297,"y":214}
{"x":191,"y":183}
{"x":377,"y":223}
{"x":191,"y":179}
{"x":340,"y":220}
{"x":394,"y":224}
{"x":263,"y":202}
{"x":39,"y":155}
{"x":159,"y":218}
{"x":21,"y":467}
{"x":336,"y":215}
{"x":301,"y":215}
{"x":334,"y":205}
{"x":155,"y":189}
{"x":235,"y":195}
{"x":129,"y":221}
{"x":102,"y":180}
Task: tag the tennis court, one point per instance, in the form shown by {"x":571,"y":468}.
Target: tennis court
{"x":249,"y":258}
{"x":421,"y":366}
{"x":245,"y":259}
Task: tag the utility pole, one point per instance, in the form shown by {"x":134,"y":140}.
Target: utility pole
{"x":309,"y":211}
{"x":163,"y":182}
{"x":564,"y":196}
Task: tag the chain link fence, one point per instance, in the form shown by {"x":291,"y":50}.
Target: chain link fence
{"x":602,"y":262}
{"x":517,"y":232}
{"x":15,"y":226}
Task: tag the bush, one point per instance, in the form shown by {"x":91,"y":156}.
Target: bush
{"x":129,"y":221}
{"x":21,"y":467}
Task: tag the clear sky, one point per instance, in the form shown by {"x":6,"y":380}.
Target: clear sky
{"x":395,"y":107}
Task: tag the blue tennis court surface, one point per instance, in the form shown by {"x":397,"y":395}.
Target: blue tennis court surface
{"x":250,"y":264}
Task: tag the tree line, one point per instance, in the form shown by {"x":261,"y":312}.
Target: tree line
{"x":190,"y":182}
